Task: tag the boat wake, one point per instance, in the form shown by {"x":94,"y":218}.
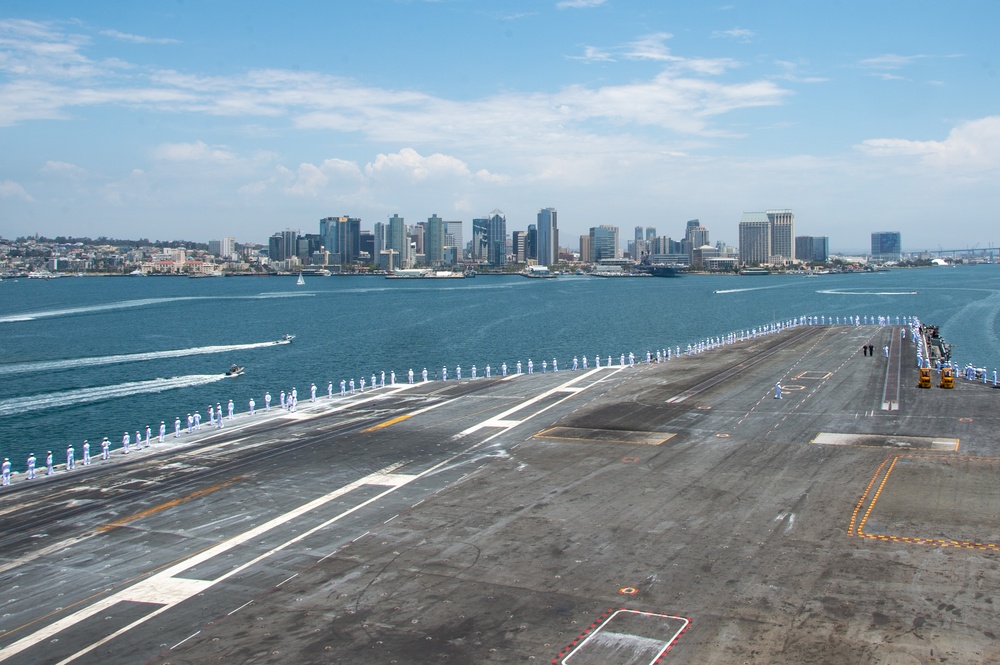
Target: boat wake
{"x":94,"y":361}
{"x":124,"y":304}
{"x":20,"y":405}
{"x":842,"y":292}
{"x":752,"y":288}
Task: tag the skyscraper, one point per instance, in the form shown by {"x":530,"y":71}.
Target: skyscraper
{"x":695,"y":236}
{"x":531,"y":243}
{"x":496,"y":238}
{"x":480,"y":233}
{"x":453,"y":238}
{"x":518,"y":240}
{"x":434,"y":241}
{"x":603,"y":242}
{"x":342,"y":238}
{"x":397,"y":240}
{"x":586,"y":255}
{"x":548,"y":237}
{"x":812,"y":249}
{"x":755,"y":238}
{"x":782,"y":235}
{"x":887,"y":246}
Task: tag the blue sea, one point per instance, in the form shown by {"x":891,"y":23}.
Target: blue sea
{"x":83,"y":358}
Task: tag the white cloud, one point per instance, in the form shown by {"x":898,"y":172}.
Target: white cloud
{"x":973,"y":146}
{"x":138,"y":39}
{"x":652,"y":47}
{"x":740,"y":34}
{"x":579,"y":4}
{"x":890,"y":61}
{"x":54,"y":167}
{"x":197,"y":151}
{"x":12,"y":190}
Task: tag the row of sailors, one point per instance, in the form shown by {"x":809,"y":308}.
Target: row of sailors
{"x":289,"y":400}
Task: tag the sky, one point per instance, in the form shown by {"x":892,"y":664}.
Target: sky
{"x":196,"y":120}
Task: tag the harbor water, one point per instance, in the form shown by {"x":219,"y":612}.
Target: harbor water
{"x":84,"y":358}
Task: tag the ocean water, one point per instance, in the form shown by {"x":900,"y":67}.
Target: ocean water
{"x":83,"y":358}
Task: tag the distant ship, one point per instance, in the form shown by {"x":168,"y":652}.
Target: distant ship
{"x":537,"y":272}
{"x":658,"y":270}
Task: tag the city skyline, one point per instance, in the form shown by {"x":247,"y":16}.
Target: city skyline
{"x":206,"y":121}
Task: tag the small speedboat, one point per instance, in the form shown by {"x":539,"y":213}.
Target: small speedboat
{"x":235,"y":370}
{"x":285,"y":339}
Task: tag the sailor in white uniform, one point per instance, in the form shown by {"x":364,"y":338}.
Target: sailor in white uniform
{"x":253,"y":405}
{"x":555,"y":365}
{"x":70,"y":458}
{"x":503,"y":369}
{"x":138,"y":440}
{"x":149,"y":441}
{"x":86,"y":453}
{"x":352,"y":386}
{"x":211,"y":416}
{"x":31,"y":466}
{"x":343,"y":388}
{"x":381,"y":379}
{"x":585,"y":362}
{"x":518,"y":367}
{"x":489,"y":371}
{"x":374,"y":385}
{"x":312,"y":393}
{"x":190,"y":421}
{"x":230,"y":408}
{"x":409,"y":376}
{"x":329,"y":390}
{"x":531,"y":367}
{"x":362,"y":381}
{"x":267,"y":402}
{"x":545,"y":366}
{"x":126,"y":440}
{"x":597,"y":360}
{"x":218,"y":415}
{"x":105,"y":448}
{"x":458,"y":372}
{"x":423,"y":374}
{"x":5,"y":471}
{"x":473,"y":371}
{"x":163,"y":432}
{"x":777,"y":390}
{"x":197,"y":421}
{"x":48,"y":464}
{"x":281,"y":398}
{"x":575,"y":363}
{"x":444,"y":373}
{"x":177,"y":427}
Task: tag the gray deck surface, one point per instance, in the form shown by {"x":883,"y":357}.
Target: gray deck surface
{"x":512,"y":521}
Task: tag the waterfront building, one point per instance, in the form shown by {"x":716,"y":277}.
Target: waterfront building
{"x":782,"y":235}
{"x":283,"y":246}
{"x":342,"y":238}
{"x":518,"y":241}
{"x":585,"y":251}
{"x":434,"y":241}
{"x":603,"y":243}
{"x":496,"y":239}
{"x":224,"y":248}
{"x":812,"y":249}
{"x":755,"y":238}
{"x":887,"y":246}
{"x":453,"y":238}
{"x":531,"y":243}
{"x":480,"y":233}
{"x":397,"y":240}
{"x":695,"y":236}
{"x":547,"y":238}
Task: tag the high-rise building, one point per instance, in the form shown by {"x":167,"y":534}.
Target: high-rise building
{"x":548,"y":238}
{"x":496,"y":238}
{"x":453,"y":238}
{"x":224,"y":248}
{"x":531,"y":243}
{"x":434,"y":241}
{"x":887,"y":246}
{"x":342,"y":238}
{"x":518,"y":240}
{"x":585,"y":253}
{"x":603,"y":242}
{"x":380,"y":235}
{"x":650,"y":233}
{"x":755,"y":238}
{"x":397,"y":240}
{"x":812,"y":249}
{"x":480,"y":233}
{"x":782,"y":235}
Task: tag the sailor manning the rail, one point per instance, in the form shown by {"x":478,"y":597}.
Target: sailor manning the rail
{"x":531,"y":367}
{"x":126,"y":440}
{"x":190,"y":421}
{"x":5,"y":471}
{"x":488,"y":371}
{"x":48,"y":464}
{"x":70,"y":458}
{"x":473,"y":371}
{"x":267,"y":402}
{"x":86,"y":453}
{"x":343,"y":388}
{"x":409,"y":376}
{"x":423,"y":375}
{"x":105,"y":448}
{"x":503,"y":369}
{"x":329,"y":390}
{"x":177,"y":427}
{"x":197,"y":422}
{"x":148,"y":439}
{"x":555,"y":365}
{"x":458,"y":372}
{"x":230,"y":407}
{"x":252,"y":404}
{"x":31,"y":466}
{"x":312,"y":393}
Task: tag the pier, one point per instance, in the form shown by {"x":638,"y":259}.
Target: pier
{"x":673,"y":512}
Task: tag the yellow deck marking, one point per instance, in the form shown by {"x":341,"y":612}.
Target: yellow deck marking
{"x":387,"y":423}
{"x":165,"y":506}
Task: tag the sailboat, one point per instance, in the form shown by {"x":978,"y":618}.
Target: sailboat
{"x":300,"y":282}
